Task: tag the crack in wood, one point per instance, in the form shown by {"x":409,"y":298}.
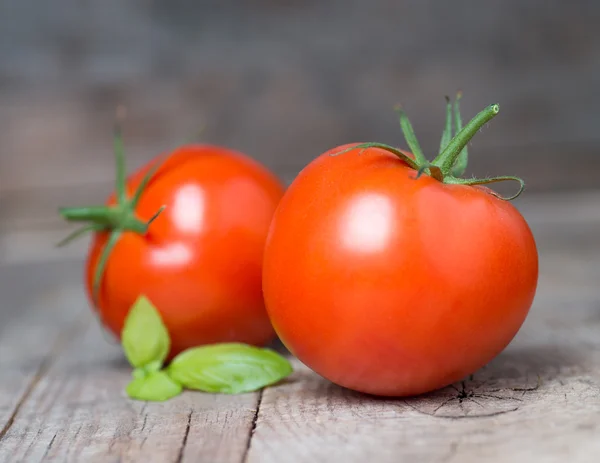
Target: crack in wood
{"x":458,"y":417}
{"x":253,"y":426}
{"x":185,"y":437}
{"x":74,"y":438}
{"x":60,"y":344}
{"x":144,"y":423}
{"x":43,"y":368}
{"x":49,"y":447}
{"x":475,"y":392}
{"x":145,"y":415}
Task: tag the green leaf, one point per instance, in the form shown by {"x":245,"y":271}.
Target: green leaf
{"x":156,"y":386}
{"x":145,"y":339}
{"x":229,"y":368}
{"x":139,"y":373}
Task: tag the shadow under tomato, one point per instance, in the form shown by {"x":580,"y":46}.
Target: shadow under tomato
{"x":278,"y":347}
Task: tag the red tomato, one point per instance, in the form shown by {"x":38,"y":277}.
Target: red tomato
{"x":200,"y":261}
{"x":392,"y":285}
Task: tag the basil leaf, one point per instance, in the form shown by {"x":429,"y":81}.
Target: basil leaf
{"x":156,"y":386}
{"x":144,"y":338}
{"x":139,"y":373}
{"x":229,"y":368}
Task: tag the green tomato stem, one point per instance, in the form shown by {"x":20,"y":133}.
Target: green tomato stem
{"x":97,"y":214}
{"x":446,"y":159}
{"x":451,"y":162}
{"x":463,"y":158}
{"x":101,"y":265}
{"x":447,"y":133}
{"x":411,"y":138}
{"x":486,"y":181}
{"x":364,"y":146}
{"x":80,"y":232}
{"x":143,"y":184}
{"x":114,"y":219}
{"x":119,"y":152}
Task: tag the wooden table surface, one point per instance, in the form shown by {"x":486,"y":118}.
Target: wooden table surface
{"x":62,"y":380}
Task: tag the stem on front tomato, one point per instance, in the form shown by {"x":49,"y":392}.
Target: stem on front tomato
{"x":451,"y":162}
{"x":463,"y":158}
{"x":446,"y":159}
{"x":410,"y":136}
{"x":114,"y":219}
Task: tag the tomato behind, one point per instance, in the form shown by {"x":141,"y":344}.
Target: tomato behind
{"x":200,"y":261}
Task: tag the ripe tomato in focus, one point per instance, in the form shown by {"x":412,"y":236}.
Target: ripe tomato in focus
{"x":200,"y":260}
{"x":392,"y":285}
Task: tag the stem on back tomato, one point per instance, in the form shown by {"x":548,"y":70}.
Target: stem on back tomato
{"x":115,"y":219}
{"x":451,"y":162}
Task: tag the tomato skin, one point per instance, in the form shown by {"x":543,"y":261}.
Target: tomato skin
{"x":391,"y":285}
{"x":200,"y":262}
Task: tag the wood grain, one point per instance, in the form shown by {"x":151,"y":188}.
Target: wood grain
{"x":36,"y":320}
{"x":77,"y":411}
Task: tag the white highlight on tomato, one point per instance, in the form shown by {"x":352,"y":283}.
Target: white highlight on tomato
{"x":367,"y":224}
{"x":189,"y":208}
{"x":174,"y":254}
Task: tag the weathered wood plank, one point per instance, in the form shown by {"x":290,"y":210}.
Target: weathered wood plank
{"x":36,"y":321}
{"x":77,"y":411}
{"x":30,"y":247}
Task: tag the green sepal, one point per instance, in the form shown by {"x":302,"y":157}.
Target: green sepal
{"x":447,"y":133}
{"x":460,"y":165}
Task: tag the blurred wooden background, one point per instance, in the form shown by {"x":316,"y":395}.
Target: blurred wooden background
{"x":284,"y":81}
